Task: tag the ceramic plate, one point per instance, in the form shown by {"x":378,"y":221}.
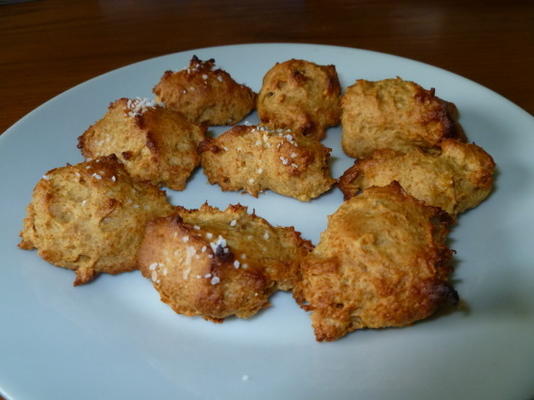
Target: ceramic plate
{"x":114,"y":339}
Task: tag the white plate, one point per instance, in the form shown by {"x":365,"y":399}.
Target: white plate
{"x":114,"y":339}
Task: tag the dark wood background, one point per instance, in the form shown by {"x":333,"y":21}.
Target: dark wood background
{"x":48,"y":46}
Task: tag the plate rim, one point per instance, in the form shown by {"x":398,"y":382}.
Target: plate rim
{"x":118,"y":69}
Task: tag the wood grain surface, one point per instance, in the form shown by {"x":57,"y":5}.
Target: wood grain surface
{"x":48,"y":46}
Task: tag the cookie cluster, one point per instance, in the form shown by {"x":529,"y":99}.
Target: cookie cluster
{"x":383,"y":259}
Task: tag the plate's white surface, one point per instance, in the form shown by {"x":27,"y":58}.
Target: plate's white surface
{"x":114,"y":339}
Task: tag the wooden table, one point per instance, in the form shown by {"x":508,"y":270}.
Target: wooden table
{"x":48,"y":46}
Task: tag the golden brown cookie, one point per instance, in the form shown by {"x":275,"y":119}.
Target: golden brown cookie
{"x":154,"y":143}
{"x":254,"y":159}
{"x":381,"y":262}
{"x":455,"y":177}
{"x":90,"y":217}
{"x":216,"y":264}
{"x":394,"y":114}
{"x":205,"y":95}
{"x":301,"y":96}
